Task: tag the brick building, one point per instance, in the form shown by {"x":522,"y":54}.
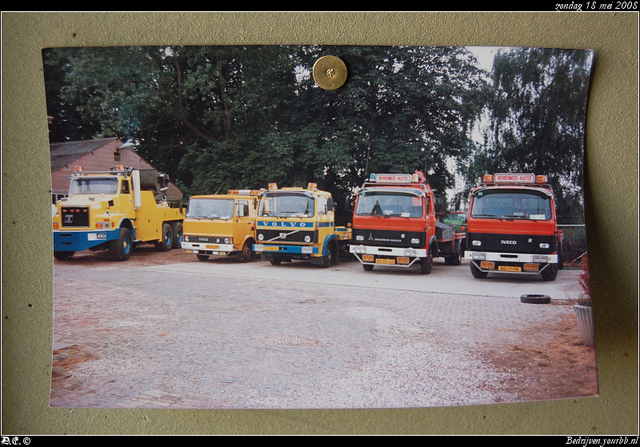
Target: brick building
{"x":94,"y":155}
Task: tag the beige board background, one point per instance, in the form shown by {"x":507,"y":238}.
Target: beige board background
{"x":611,"y":198}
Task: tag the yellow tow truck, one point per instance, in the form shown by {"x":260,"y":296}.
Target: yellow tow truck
{"x":221,"y":224}
{"x":113,"y":210}
{"x":298,"y":223}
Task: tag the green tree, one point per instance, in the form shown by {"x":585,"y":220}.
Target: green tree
{"x":536,"y":119}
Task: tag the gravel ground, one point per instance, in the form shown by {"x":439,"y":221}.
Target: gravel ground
{"x":183,"y":334}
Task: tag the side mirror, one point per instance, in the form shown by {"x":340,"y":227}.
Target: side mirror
{"x":347,"y":204}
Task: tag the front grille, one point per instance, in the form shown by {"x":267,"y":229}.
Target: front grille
{"x":287,"y":235}
{"x":387,"y":238}
{"x":75,"y":216}
{"x":206,"y":239}
{"x":512,"y":243}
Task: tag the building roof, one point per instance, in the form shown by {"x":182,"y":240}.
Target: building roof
{"x":64,"y":153}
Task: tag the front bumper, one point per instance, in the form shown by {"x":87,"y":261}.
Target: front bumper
{"x":510,"y":262}
{"x":79,"y":240}
{"x":273,"y":249}
{"x":208,"y":249}
{"x":394,"y":256}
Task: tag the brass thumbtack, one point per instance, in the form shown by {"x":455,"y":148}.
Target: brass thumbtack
{"x":330,"y":72}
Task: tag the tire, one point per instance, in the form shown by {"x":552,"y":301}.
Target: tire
{"x":167,"y":238}
{"x":275,"y":260}
{"x":550,"y":272}
{"x":426,"y":264}
{"x":247,"y":253}
{"x":121,"y":248}
{"x":63,"y":255}
{"x":535,"y":299}
{"x":331,"y":258}
{"x":203,"y":257}
{"x":176,"y":227}
{"x":476,"y":272}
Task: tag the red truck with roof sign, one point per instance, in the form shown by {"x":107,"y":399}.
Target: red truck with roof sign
{"x":512,"y":227}
{"x":396,"y":223}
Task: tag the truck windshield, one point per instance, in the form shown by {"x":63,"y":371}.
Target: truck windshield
{"x":390,"y":203}
{"x":211,"y":209}
{"x":286,"y":205}
{"x":97,"y":185}
{"x":511,"y":204}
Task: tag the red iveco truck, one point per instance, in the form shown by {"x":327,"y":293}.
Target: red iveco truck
{"x":512,"y":227}
{"x":396,"y":223}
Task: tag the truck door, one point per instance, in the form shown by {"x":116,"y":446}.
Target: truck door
{"x":244,"y":222}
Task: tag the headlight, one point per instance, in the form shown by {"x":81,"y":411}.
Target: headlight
{"x":307,"y":238}
{"x":359,"y":237}
{"x":476,"y":243}
{"x":540,"y":258}
{"x":415,"y":240}
{"x":411,"y":253}
{"x":186,"y":238}
{"x":478,"y":256}
{"x":261,"y":237}
{"x":544,"y":245}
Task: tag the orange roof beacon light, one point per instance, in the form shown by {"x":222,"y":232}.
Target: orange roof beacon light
{"x":487,"y":179}
{"x":273,"y":186}
{"x":541,"y":179}
{"x":79,"y":169}
{"x":312,"y":186}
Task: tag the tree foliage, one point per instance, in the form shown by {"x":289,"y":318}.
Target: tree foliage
{"x":222,"y":117}
{"x":537,"y":117}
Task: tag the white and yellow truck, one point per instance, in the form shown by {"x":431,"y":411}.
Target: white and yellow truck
{"x":298,"y":223}
{"x":221,"y":224}
{"x":113,"y":210}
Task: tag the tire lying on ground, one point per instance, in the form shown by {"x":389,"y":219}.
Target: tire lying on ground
{"x":535,"y":299}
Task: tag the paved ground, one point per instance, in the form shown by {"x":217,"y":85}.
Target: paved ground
{"x":220,"y":334}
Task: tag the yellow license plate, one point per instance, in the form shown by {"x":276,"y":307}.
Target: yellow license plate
{"x":267,"y":248}
{"x":385,"y":261}
{"x":508,"y":268}
{"x":212,"y":247}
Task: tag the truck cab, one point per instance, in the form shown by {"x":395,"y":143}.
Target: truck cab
{"x":298,"y":223}
{"x":512,"y":227}
{"x":396,"y":223}
{"x":221,"y":224}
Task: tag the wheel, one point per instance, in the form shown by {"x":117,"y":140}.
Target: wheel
{"x":367,"y":267}
{"x":275,"y":260}
{"x":247,"y":252}
{"x":63,"y":255}
{"x":331,"y":258}
{"x":456,"y":258}
{"x":535,"y":299}
{"x":426,"y":264}
{"x":203,"y":257}
{"x":167,"y":238}
{"x":550,"y":272}
{"x":560,"y":256}
{"x":476,"y":272}
{"x":120,"y":248}
{"x":176,"y":227}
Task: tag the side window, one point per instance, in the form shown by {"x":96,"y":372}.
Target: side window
{"x":242,"y":208}
{"x":124,"y":188}
{"x":322,"y":205}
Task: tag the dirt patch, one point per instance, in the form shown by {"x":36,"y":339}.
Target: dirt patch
{"x":65,"y":359}
{"x":562,"y":368}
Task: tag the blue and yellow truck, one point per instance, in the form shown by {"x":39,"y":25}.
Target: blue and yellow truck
{"x":113,"y":210}
{"x":299,"y":223}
